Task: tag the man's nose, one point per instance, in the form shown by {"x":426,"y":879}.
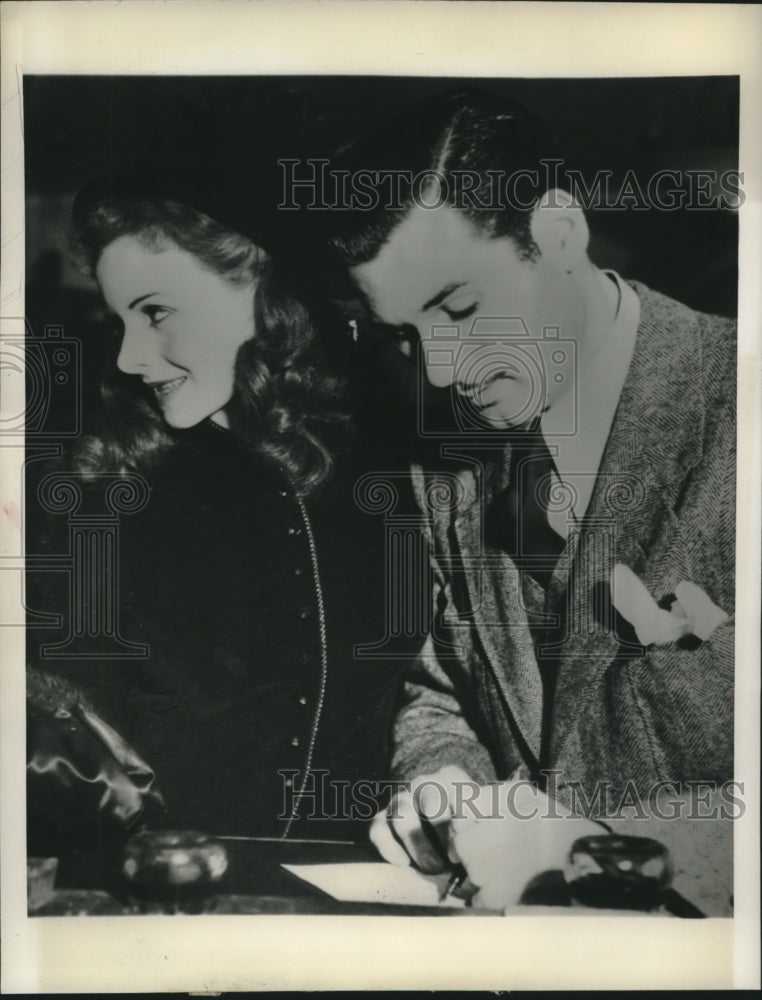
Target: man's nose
{"x":136,"y":351}
{"x":446,"y":360}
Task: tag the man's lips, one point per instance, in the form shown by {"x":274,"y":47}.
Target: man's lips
{"x":475,"y":392}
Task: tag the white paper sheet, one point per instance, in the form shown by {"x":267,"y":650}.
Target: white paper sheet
{"x":374,"y":882}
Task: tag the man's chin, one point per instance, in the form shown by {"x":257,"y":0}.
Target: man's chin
{"x":497,"y":423}
{"x":510,"y":412}
{"x":503,"y":418}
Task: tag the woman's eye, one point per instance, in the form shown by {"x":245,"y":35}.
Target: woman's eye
{"x":156,"y":314}
{"x":115,"y":326}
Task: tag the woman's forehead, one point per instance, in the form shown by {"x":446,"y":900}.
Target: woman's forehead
{"x":130,"y":262}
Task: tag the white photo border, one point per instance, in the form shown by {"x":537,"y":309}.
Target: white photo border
{"x":396,"y":37}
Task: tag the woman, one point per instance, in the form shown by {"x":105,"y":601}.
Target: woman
{"x":240,"y":573}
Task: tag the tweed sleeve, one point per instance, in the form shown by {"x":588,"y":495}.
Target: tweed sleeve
{"x":430,"y":729}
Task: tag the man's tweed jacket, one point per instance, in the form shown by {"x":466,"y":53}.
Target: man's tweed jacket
{"x":663,"y":505}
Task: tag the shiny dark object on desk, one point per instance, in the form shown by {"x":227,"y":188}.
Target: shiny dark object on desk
{"x":617,"y":872}
{"x":174,"y":859}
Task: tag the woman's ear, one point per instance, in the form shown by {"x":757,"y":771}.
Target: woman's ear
{"x":559,"y":229}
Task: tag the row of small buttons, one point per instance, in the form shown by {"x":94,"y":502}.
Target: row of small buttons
{"x":304,"y":613}
{"x":295,"y":532}
{"x":295,"y":741}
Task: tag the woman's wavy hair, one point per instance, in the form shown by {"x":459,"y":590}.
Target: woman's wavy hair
{"x":286,"y":405}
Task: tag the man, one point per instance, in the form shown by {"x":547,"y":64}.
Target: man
{"x":584,"y":575}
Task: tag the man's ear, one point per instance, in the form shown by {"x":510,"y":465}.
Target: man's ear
{"x":559,"y":229}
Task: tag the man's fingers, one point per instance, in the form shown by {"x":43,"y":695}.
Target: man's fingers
{"x":399,"y":836}
{"x":433,"y":808}
{"x":386,"y":844}
{"x":416,"y":825}
{"x":477,"y":845}
{"x":410,"y":832}
{"x":451,"y":846}
{"x":432,"y":801}
{"x":466,"y":889}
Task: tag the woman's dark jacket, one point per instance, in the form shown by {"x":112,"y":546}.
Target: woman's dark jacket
{"x":216,"y":579}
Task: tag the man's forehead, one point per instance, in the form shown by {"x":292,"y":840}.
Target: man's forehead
{"x":429,"y":249}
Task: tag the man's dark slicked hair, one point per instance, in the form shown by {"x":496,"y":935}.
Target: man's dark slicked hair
{"x":467,"y":131}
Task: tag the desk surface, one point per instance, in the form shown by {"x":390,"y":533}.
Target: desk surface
{"x":89,"y":883}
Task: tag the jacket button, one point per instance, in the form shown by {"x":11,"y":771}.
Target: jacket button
{"x":302,"y":700}
{"x":295,"y":741}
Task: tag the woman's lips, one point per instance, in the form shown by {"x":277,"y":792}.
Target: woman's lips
{"x":163,"y":390}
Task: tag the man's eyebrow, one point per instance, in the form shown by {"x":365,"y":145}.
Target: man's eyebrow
{"x":441,"y":296}
{"x":140,"y":298}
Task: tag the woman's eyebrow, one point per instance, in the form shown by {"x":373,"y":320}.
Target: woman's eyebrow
{"x":140,"y":298}
{"x":442,"y":295}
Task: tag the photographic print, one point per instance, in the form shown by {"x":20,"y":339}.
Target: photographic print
{"x":375,"y":541}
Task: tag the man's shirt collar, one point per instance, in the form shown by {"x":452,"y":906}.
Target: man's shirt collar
{"x":577,"y":426}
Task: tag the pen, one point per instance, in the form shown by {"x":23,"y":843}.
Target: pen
{"x":457,"y":877}
{"x":458,"y":873}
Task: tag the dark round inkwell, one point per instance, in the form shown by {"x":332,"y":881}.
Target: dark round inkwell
{"x":628,"y":873}
{"x":178,"y":867}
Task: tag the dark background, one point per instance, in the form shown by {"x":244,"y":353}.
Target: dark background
{"x":78,"y":128}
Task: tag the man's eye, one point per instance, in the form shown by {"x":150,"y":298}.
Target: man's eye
{"x":455,"y":311}
{"x":156,"y":313}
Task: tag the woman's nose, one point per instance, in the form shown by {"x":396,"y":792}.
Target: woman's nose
{"x":135,"y":353}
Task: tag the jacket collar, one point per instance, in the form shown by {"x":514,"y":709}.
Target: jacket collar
{"x":659,"y":421}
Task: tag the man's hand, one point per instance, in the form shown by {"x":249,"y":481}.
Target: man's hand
{"x":504,"y":850}
{"x":416,"y":825}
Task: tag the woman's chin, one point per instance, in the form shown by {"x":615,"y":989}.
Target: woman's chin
{"x":182,"y":421}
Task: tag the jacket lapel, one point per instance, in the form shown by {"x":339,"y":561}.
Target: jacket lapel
{"x":494,"y":590}
{"x":492,"y":585}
